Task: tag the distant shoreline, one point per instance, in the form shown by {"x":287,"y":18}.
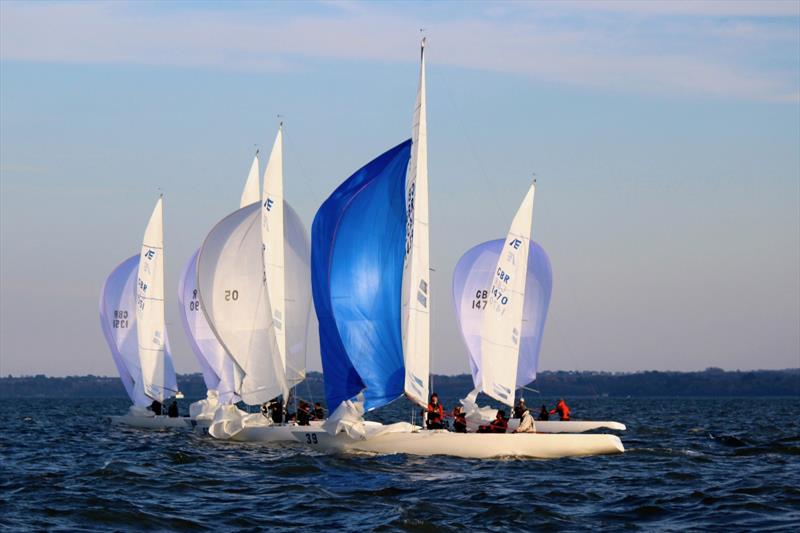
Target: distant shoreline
{"x":712,"y":382}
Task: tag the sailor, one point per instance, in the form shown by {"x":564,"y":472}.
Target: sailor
{"x":544,"y":414}
{"x":526,"y":423}
{"x":498,"y":425}
{"x":319,"y":412}
{"x":276,"y":410}
{"x":172,"y":412}
{"x":435,"y":413}
{"x":155,"y":407}
{"x":303,"y":414}
{"x":520,"y":408}
{"x":562,"y":410}
{"x":459,"y":420}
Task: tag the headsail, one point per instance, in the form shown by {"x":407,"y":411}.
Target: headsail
{"x":216,"y":364}
{"x":471,"y":282}
{"x":416,"y":279}
{"x":157,"y":371}
{"x":501,"y":328}
{"x":273,"y":248}
{"x":251,"y":193}
{"x":118,"y":321}
{"x":234,"y":299}
{"x":357,"y":255}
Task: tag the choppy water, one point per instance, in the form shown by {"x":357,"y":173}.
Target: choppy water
{"x":729,"y":464}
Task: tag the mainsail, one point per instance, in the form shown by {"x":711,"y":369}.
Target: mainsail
{"x":118,"y":321}
{"x":501,"y":327}
{"x":273,"y":250}
{"x":251,"y":193}
{"x":158,"y":373}
{"x":234,"y":299}
{"x":416,"y":282}
{"x":471,"y":281}
{"x":358,"y":251}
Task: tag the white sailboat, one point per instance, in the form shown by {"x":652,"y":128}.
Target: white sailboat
{"x":258,"y":314}
{"x":357,"y":267}
{"x":133,"y":300}
{"x":217,"y":366}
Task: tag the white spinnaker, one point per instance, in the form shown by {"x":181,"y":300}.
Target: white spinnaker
{"x":251,"y":192}
{"x":158,"y":374}
{"x":273,"y":246}
{"x":118,"y":321}
{"x":216,"y":364}
{"x":416,"y":285}
{"x":234,"y":299}
{"x":502,"y":319}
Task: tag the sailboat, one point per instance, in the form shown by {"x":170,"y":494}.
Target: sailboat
{"x":132,"y":320}
{"x":217,"y":366}
{"x":471,"y":281}
{"x":372,"y":297}
{"x":258,"y":313}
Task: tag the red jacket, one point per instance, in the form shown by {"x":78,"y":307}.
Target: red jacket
{"x":562,"y":410}
{"x":499,"y":426}
{"x":437,"y":410}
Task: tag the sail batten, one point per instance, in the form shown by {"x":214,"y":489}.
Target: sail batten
{"x":416,"y":270}
{"x":501,"y":326}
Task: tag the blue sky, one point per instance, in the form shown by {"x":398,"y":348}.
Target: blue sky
{"x":665,"y":136}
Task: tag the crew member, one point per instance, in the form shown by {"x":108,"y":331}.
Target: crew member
{"x":526,"y":423}
{"x":544,"y":414}
{"x":319,"y":412}
{"x":459,"y":420}
{"x":435,"y":413}
{"x":172,"y":412}
{"x":303,"y":414}
{"x":498,"y":425}
{"x":562,"y":410}
{"x":156,"y":407}
{"x":520,"y":408}
{"x":276,"y":410}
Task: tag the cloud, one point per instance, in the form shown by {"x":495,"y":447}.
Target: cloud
{"x":596,"y":44}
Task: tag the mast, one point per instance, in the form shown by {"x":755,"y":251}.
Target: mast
{"x":416,"y":270}
{"x":501,"y":328}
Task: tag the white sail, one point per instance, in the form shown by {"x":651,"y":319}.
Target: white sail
{"x":234,"y":299}
{"x":273,"y":247}
{"x":118,"y":321}
{"x":416,"y":284}
{"x":251,"y":193}
{"x":158,"y":374}
{"x":502,"y":319}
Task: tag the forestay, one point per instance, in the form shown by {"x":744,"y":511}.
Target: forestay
{"x":471,"y":281}
{"x":501,"y":327}
{"x":158,"y":373}
{"x":358,"y":250}
{"x":234,"y":299}
{"x":416,"y":280}
{"x":118,"y":321}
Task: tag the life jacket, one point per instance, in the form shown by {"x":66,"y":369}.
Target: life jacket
{"x":436,"y":410}
{"x":499,"y":426}
{"x":562,"y":410}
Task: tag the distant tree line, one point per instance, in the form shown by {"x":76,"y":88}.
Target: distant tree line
{"x":712,"y":382}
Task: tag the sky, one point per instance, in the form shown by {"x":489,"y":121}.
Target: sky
{"x":665,"y":137}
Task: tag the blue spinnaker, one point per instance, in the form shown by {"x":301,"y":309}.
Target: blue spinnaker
{"x":357,"y":253}
{"x":471,"y":281}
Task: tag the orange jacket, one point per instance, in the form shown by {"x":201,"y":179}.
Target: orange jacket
{"x":562,"y":410}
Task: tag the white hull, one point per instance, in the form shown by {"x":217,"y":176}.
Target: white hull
{"x":150,"y":422}
{"x":276,"y":433}
{"x":573,"y":426}
{"x":466,"y":445}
